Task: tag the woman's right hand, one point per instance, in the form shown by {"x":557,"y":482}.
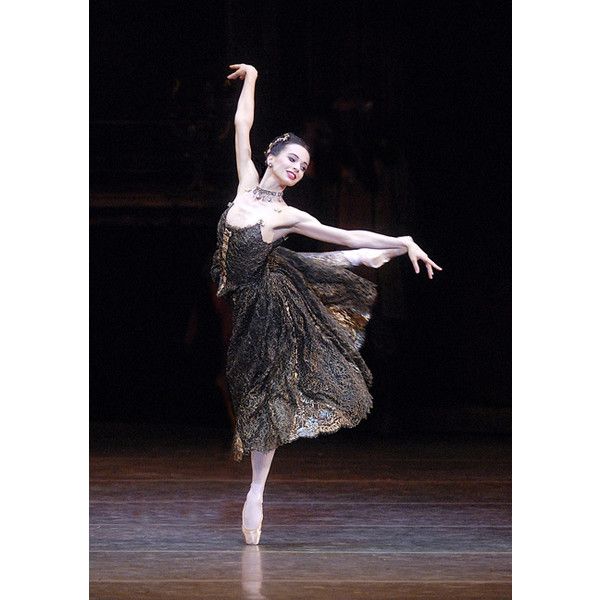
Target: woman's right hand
{"x":415,"y":254}
{"x":241,"y":71}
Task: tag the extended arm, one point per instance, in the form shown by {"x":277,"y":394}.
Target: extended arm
{"x":305,"y":224}
{"x":244,"y":118}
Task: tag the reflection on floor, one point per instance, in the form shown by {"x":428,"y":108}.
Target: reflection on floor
{"x":344,"y":517}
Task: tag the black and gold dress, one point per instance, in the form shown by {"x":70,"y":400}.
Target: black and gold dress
{"x":293,"y":363}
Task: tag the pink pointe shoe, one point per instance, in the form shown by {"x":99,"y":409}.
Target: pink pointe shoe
{"x":252,"y":536}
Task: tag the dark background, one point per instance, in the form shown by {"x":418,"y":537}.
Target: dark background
{"x":407,"y":108}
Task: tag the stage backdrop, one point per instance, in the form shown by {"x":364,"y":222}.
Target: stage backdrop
{"x":407,"y":108}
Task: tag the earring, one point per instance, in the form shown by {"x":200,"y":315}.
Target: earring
{"x":269,"y":165}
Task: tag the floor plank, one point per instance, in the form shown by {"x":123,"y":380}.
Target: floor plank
{"x":301,"y":590}
{"x":298,"y":491}
{"x":421,"y":519}
{"x":224,"y":511}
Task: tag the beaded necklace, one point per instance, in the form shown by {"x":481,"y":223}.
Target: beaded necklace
{"x":262,"y":195}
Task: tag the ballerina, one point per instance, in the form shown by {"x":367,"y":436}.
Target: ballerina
{"x":293,"y":363}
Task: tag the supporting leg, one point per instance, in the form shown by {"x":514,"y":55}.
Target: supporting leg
{"x":261,"y":464}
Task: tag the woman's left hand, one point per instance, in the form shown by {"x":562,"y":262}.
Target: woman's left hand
{"x":415,"y":253}
{"x":241,"y":71}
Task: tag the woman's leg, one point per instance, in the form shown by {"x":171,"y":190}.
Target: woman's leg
{"x":261,"y":463}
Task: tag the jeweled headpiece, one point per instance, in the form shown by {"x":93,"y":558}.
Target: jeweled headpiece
{"x":282,"y":138}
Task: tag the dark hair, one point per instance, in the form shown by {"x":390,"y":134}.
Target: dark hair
{"x":279,"y":143}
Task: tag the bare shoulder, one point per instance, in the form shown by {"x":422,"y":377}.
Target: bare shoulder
{"x":243,"y":212}
{"x":291,"y":216}
{"x":304,"y":223}
{"x":285,"y":220}
{"x":279,"y":223}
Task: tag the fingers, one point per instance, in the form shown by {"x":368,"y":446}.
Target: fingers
{"x":237,"y":73}
{"x":415,"y":265}
{"x":242,"y":71}
{"x":429,"y":265}
{"x":415,"y":256}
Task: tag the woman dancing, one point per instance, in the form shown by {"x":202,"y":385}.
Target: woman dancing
{"x":293,"y":363}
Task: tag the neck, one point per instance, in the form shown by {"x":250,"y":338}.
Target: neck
{"x":270,"y":183}
{"x":267,"y":196}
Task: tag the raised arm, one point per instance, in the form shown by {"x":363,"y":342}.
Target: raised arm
{"x":244,"y":118}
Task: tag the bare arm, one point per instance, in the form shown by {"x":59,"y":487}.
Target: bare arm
{"x":307,"y":225}
{"x":244,"y":118}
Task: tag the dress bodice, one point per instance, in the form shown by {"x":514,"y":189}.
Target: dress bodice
{"x":241,"y":256}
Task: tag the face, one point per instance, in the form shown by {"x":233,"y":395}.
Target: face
{"x":290,"y":164}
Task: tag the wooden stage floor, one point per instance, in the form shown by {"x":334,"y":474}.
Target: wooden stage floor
{"x":345,"y":516}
